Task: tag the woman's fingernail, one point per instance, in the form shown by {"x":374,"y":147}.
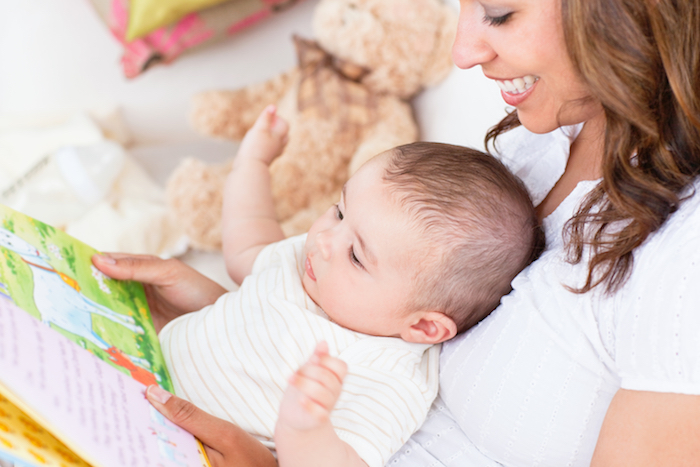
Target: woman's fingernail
{"x":159,"y":394}
{"x":106,"y":259}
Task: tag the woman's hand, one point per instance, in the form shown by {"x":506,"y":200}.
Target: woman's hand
{"x":226,"y":444}
{"x":172,"y":288}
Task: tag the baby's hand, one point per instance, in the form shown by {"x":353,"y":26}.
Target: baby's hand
{"x":266,"y":138}
{"x":313,"y":391}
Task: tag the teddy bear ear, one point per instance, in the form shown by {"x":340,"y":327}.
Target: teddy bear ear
{"x":440,"y":63}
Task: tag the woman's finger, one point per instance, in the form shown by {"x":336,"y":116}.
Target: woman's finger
{"x":207,"y":428}
{"x":176,"y":282}
{"x":232,"y":445}
{"x":118,"y":255}
{"x":141,"y":268}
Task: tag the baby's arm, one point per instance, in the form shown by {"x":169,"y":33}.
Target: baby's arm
{"x":248,"y":216}
{"x":304,"y":435}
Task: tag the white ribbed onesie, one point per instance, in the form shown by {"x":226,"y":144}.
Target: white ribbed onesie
{"x":233,"y":359}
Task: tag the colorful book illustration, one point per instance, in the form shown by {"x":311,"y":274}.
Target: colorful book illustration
{"x":72,"y":388}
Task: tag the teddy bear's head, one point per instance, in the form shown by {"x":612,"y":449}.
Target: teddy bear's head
{"x":404,"y":44}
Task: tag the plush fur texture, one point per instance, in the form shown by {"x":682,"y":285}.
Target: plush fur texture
{"x":347,"y":100}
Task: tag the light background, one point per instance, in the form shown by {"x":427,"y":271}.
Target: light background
{"x":57,"y":58}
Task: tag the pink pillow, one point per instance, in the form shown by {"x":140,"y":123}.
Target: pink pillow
{"x":195,"y":29}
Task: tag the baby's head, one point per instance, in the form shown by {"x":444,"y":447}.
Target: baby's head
{"x":424,"y":242}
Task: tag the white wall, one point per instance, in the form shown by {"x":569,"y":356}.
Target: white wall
{"x":57,"y":57}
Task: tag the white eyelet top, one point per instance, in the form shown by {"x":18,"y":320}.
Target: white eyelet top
{"x":530,"y":385}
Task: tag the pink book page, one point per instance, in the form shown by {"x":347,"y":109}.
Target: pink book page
{"x":98,"y":412}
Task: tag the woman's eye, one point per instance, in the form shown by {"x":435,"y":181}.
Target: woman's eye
{"x":354,"y":259}
{"x":338,"y":214}
{"x":496,"y":20}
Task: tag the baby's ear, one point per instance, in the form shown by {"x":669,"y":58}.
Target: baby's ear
{"x":431,"y":327}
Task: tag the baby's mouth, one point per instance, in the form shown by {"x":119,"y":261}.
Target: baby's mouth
{"x":309,"y":269}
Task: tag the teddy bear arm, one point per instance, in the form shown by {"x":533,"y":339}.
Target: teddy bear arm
{"x":195,"y":195}
{"x":230,"y":113}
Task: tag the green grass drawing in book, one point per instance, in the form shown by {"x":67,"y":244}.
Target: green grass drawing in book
{"x":50,"y":275}
{"x":76,"y":352}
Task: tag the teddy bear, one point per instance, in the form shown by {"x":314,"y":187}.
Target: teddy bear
{"x":347,"y":100}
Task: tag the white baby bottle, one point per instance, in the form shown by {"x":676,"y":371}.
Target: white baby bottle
{"x":62,"y":186}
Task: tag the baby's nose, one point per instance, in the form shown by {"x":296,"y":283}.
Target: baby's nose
{"x":324,"y":242}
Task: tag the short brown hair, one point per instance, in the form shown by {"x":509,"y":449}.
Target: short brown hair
{"x":480,"y":215}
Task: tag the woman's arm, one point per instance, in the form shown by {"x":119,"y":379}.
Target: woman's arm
{"x":650,"y":429}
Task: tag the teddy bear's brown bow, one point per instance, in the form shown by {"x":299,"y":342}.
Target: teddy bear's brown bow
{"x":331,"y":86}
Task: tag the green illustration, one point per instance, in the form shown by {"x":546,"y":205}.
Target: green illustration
{"x":50,"y":275}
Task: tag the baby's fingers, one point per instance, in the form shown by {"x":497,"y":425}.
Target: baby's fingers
{"x":321,"y":358}
{"x":321,"y":387}
{"x":311,"y":406}
{"x":300,"y":412}
{"x":271,"y":122}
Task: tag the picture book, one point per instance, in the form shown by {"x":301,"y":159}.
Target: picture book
{"x":77,"y":350}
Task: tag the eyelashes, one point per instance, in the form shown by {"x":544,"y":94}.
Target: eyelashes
{"x":497,"y":20}
{"x":354,"y":259}
{"x":351,"y":251}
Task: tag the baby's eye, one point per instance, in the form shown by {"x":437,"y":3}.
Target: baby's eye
{"x":338,"y":214}
{"x":354,"y":259}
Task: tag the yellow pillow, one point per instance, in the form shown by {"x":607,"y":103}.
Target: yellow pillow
{"x":148,"y":15}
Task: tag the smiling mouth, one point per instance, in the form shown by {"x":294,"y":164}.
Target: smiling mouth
{"x":309,"y":269}
{"x":517,"y":85}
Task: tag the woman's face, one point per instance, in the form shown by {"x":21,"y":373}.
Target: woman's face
{"x":520,"y":45}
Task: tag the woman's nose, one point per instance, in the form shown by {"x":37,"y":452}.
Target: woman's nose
{"x":471,"y":46}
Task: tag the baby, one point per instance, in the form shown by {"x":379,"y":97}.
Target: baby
{"x":424,"y":241}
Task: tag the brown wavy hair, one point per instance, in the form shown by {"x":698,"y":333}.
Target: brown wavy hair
{"x":641,"y":60}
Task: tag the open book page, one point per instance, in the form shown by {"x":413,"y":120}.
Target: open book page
{"x":101,"y":414}
{"x":50,"y":275}
{"x":23,"y":442}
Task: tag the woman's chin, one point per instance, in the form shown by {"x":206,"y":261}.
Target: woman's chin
{"x":545,"y":119}
{"x":536,"y":124}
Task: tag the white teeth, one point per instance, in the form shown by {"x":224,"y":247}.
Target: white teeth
{"x":517,"y":85}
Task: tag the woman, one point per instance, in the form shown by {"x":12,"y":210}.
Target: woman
{"x":594,"y":357}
